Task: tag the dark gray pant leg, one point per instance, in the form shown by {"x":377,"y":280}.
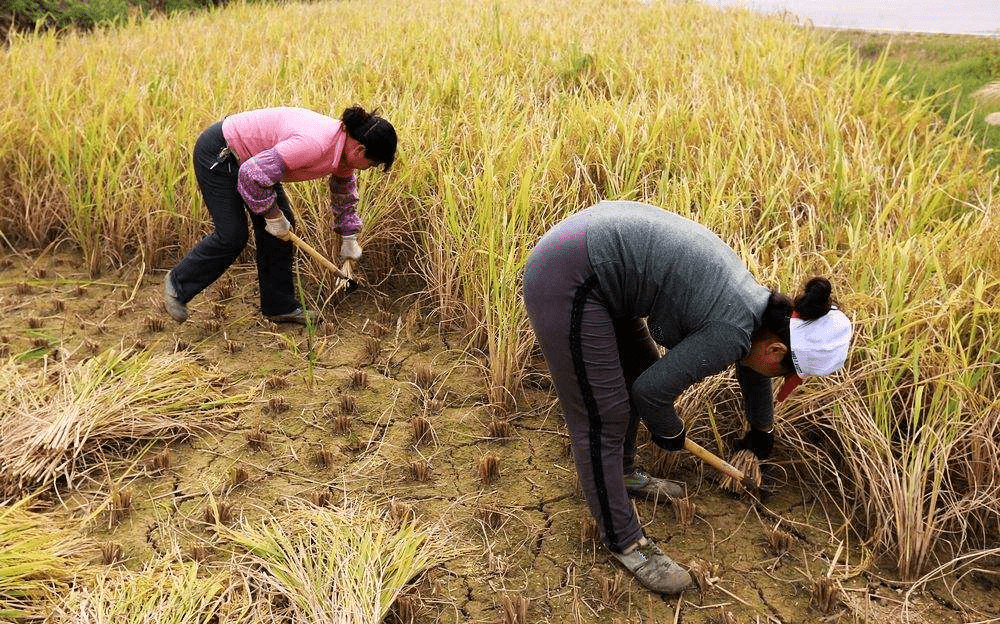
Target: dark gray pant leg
{"x":638,"y":351}
{"x":215,"y":253}
{"x":210,"y":258}
{"x":274,"y":263}
{"x":577,"y":337}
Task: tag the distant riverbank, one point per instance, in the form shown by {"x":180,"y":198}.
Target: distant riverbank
{"x":958,"y":17}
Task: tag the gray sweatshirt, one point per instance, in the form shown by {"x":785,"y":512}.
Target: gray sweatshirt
{"x":698,"y":298}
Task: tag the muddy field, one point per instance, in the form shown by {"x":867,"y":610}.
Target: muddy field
{"x":379,"y":403}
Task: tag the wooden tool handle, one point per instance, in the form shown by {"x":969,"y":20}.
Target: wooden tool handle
{"x":333,"y":268}
{"x":714,"y":460}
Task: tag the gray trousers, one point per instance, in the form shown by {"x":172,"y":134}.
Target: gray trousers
{"x":593,"y":359}
{"x":210,"y":258}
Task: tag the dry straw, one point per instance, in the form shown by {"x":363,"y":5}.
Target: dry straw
{"x":39,"y":556}
{"x":119,"y":398}
{"x":163,"y":591}
{"x":336,"y":566}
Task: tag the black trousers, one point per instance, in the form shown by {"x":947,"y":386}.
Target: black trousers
{"x":594,"y":359}
{"x":210,"y":258}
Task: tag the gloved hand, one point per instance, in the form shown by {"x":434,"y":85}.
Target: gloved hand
{"x":675,"y":443}
{"x":349,"y":248}
{"x":278,"y":226}
{"x":760,"y":443}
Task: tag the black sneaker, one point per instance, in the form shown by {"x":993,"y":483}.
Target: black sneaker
{"x":177,"y":310}
{"x":298,"y":315}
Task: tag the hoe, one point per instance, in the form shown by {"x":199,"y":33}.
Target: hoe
{"x":726,"y":469}
{"x":344,"y":273}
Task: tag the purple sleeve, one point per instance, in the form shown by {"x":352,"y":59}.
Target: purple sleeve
{"x":257,"y":178}
{"x":344,"y":202}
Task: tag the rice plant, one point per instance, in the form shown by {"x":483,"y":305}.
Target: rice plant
{"x":39,"y":556}
{"x":705,"y":574}
{"x":499,"y":429}
{"x":341,"y":565}
{"x":420,"y":470}
{"x":217,"y":512}
{"x":118,"y":399}
{"x":163,"y":591}
{"x":684,"y":511}
{"x":421,"y":430}
{"x":348,"y":404}
{"x":590,"y":532}
{"x":326,"y":457}
{"x":515,"y":609}
{"x":256,"y":437}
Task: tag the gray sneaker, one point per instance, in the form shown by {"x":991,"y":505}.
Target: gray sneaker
{"x":298,"y":315}
{"x":640,"y":483}
{"x":177,"y":310}
{"x":653,"y":569}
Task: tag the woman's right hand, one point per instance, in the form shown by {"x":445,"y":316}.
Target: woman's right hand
{"x":278,"y":226}
{"x":673,"y":443}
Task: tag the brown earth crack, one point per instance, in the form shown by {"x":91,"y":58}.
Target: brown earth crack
{"x":775,"y":614}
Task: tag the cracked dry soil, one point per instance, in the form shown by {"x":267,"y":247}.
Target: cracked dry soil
{"x":315,"y":432}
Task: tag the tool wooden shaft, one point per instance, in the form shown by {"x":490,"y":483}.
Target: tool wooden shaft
{"x":714,"y":460}
{"x":306,"y":247}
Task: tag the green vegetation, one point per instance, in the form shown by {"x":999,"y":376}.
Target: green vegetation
{"x":950,"y":69}
{"x":31,"y":14}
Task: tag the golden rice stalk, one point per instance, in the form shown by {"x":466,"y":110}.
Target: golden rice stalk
{"x":39,"y":555}
{"x":336,"y":566}
{"x":54,"y":429}
{"x":164,"y":591}
{"x":684,"y":510}
{"x":747,"y":463}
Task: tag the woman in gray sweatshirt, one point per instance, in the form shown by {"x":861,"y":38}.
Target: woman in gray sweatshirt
{"x":607,"y":285}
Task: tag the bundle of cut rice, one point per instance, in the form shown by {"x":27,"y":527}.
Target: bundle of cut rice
{"x":62,"y":417}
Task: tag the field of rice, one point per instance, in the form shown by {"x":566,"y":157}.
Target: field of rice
{"x":406,"y":459}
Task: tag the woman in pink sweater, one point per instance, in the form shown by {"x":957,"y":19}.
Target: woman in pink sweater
{"x":240,"y":163}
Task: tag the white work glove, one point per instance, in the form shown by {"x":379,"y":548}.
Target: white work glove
{"x":349,"y":248}
{"x":278,"y":226}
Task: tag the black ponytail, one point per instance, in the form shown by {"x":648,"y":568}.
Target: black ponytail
{"x":815,"y":300}
{"x":813,"y":303}
{"x":375,"y":133}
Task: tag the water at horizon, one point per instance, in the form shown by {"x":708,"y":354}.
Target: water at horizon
{"x":960,"y":17}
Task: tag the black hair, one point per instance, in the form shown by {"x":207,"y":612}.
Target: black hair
{"x":373,"y":132}
{"x":814,"y":302}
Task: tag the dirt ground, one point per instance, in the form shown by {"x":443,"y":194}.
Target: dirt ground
{"x":316,"y":433}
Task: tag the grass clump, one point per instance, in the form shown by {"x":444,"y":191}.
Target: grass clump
{"x":327,"y":566}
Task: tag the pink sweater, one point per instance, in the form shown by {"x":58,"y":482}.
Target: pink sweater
{"x":290,"y":145}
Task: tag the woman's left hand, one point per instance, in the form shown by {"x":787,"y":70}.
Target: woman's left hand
{"x":349,"y":248}
{"x":760,"y":443}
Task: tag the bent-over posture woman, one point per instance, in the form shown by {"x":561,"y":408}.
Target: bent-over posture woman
{"x":607,"y":285}
{"x":240,"y":163}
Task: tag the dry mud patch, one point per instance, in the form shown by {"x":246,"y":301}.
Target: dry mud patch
{"x":313,"y":432}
